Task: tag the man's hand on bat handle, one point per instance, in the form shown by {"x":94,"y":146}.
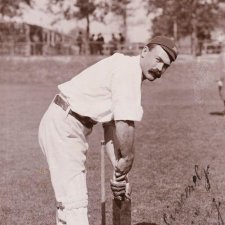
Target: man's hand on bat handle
{"x":121,"y":189}
{"x":120,"y":186}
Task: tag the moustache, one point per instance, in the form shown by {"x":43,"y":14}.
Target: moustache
{"x":156,"y":73}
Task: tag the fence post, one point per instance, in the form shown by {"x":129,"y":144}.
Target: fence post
{"x":11,"y":47}
{"x":28,"y":43}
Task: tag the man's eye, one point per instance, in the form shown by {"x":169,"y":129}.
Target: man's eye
{"x":166,"y":66}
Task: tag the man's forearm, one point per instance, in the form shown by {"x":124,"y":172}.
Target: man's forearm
{"x":125,"y":135}
{"x":121,"y":162}
{"x":120,"y":134}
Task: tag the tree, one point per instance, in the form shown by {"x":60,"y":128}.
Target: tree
{"x":189,"y":15}
{"x":11,"y":8}
{"x":80,"y":9}
{"x":221,"y":19}
{"x":120,"y":8}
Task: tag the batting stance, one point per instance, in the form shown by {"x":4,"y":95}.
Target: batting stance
{"x":109,"y":90}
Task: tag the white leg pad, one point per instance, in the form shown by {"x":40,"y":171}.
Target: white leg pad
{"x":60,"y":217}
{"x":77,"y":216}
{"x":72,"y":215}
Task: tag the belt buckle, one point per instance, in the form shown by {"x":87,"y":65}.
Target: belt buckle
{"x":57,"y":100}
{"x":61,"y":102}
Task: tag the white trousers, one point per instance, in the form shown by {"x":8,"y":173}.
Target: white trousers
{"x":63,"y":140}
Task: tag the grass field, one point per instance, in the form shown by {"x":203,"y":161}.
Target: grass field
{"x":182,"y":127}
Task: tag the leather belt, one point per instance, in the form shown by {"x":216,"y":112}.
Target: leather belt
{"x":85,"y":120}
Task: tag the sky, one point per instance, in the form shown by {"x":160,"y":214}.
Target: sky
{"x":139,"y":23}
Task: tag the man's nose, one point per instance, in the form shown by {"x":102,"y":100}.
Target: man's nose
{"x":160,"y":66}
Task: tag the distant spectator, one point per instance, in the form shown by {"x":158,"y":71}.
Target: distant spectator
{"x":121,"y":38}
{"x":36,"y":47}
{"x":100,"y":43}
{"x":58,"y":44}
{"x":121,"y":41}
{"x":203,"y":35}
{"x":200,"y":42}
{"x":221,"y":79}
{"x":80,"y":42}
{"x":113,"y":44}
{"x":92,"y":44}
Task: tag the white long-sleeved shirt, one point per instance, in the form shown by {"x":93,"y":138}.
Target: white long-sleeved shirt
{"x":107,"y":90}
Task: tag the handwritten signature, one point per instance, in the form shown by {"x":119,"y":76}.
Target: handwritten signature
{"x":169,"y":219}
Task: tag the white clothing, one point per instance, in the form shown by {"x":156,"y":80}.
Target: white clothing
{"x":107,"y":90}
{"x":222,"y":66}
{"x":63,"y":141}
{"x":76,"y":216}
{"x":220,"y":83}
{"x":221,"y":80}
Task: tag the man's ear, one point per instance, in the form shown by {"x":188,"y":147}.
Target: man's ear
{"x":144,"y":51}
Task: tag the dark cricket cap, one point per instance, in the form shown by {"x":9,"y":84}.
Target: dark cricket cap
{"x":167,"y":44}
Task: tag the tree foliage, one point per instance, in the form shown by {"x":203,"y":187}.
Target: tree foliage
{"x":80,"y":9}
{"x":221,"y":16}
{"x":120,"y":8}
{"x":198,"y":16}
{"x":11,"y":8}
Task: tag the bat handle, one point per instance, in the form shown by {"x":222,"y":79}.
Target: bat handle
{"x":103,"y":192}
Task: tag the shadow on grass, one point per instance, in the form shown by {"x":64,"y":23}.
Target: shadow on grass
{"x":217,"y":113}
{"x":145,"y":223}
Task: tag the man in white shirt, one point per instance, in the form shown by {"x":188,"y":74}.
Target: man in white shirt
{"x":109,"y":90}
{"x":221,"y":80}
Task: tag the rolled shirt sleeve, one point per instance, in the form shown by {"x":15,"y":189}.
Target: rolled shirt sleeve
{"x":126,"y":95}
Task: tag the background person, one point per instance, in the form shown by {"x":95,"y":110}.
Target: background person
{"x":121,"y":38}
{"x":80,"y":43}
{"x":108,"y":91}
{"x":100,"y":43}
{"x":92,"y":44}
{"x":221,"y":80}
{"x":113,"y":44}
{"x":121,"y":41}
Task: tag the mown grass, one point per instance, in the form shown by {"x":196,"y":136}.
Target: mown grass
{"x":177,"y":133}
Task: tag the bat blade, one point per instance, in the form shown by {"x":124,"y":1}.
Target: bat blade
{"x":121,"y":212}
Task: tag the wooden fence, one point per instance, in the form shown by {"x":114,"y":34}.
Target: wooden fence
{"x":40,"y":48}
{"x":209,"y":47}
{"x":29,"y":49}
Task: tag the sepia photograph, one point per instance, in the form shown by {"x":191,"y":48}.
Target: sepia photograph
{"x":112,"y":112}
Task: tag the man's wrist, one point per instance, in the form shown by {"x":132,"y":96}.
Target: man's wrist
{"x":124,"y":165}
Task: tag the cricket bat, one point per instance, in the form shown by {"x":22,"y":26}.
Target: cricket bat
{"x":121,"y":208}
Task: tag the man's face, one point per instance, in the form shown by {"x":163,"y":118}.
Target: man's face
{"x":154,"y":62}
